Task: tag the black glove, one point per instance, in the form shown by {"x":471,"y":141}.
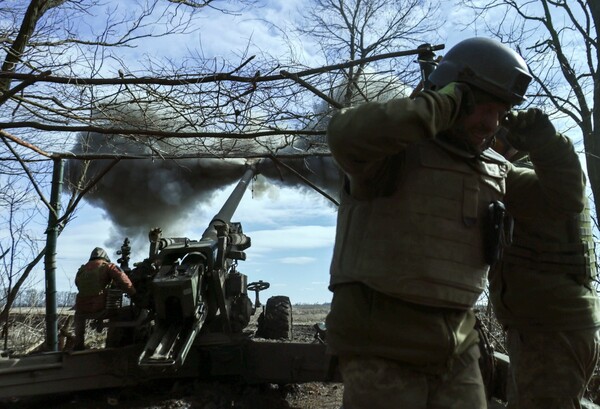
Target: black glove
{"x":462,"y":96}
{"x":528,"y":129}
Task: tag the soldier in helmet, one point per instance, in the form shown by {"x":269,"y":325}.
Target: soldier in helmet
{"x":92,"y":280}
{"x":543,"y":294}
{"x":417,"y":226}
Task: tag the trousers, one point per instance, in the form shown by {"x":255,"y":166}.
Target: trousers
{"x":378,"y":383}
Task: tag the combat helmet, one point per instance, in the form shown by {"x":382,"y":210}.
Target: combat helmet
{"x":485,"y":64}
{"x":99,"y":253}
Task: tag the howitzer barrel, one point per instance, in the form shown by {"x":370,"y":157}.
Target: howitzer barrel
{"x":427,"y":63}
{"x":180,"y":300}
{"x":226,"y":213}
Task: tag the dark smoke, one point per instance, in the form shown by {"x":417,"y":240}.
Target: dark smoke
{"x":140,"y":194}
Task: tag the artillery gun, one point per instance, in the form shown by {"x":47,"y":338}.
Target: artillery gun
{"x":192,"y":288}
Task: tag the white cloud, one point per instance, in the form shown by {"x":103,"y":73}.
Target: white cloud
{"x":292,"y":238}
{"x":297,"y":260}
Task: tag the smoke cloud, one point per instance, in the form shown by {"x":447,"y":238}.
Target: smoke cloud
{"x":140,"y":194}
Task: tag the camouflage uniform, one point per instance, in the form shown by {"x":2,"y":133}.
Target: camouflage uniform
{"x":543,"y":294}
{"x":92,"y":280}
{"x":373,"y":382}
{"x":413,"y":324}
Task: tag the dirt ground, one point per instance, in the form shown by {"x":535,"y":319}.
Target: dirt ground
{"x":198,"y":395}
{"x":208,"y":396}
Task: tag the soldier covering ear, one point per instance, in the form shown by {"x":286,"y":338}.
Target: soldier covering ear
{"x":409,"y":260}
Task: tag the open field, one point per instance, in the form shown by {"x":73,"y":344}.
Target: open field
{"x":28,"y":326}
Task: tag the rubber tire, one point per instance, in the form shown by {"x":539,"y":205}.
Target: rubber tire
{"x":276,"y":322}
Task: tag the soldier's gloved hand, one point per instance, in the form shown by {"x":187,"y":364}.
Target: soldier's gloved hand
{"x":462,"y":95}
{"x":528,"y":129}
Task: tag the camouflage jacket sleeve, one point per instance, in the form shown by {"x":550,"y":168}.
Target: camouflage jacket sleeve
{"x":120,"y":278}
{"x":361,"y":138}
{"x":555,"y":187}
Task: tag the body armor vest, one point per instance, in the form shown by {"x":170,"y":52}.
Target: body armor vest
{"x":544,"y":279}
{"x":556,"y":246}
{"x":423,"y":242}
{"x":90,"y":280}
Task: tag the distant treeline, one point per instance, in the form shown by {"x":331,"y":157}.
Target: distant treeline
{"x":315,"y":305}
{"x":37,"y":298}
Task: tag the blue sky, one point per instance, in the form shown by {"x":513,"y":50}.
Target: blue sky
{"x":292,"y":230}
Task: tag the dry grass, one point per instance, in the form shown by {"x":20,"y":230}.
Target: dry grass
{"x":26,"y":329}
{"x":27,"y":326}
{"x":309,"y":314}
